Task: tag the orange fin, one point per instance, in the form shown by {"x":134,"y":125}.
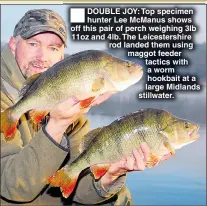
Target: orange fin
{"x":37,"y":116}
{"x":86,"y":102}
{"x":167,"y":145}
{"x":68,"y":186}
{"x":99,"y":170}
{"x":8,"y":127}
{"x":57,"y":178}
{"x":65,"y":180}
{"x":152,"y":160}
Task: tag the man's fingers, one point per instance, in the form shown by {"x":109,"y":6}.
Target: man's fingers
{"x":139,"y":163}
{"x":102,"y":98}
{"x":85,"y":110}
{"x":73,"y":104}
{"x":141,"y":153}
{"x":129,"y":165}
{"x":146,"y":150}
{"x":76,"y":110}
{"x":70,"y":102}
{"x":134,"y":162}
{"x":66,"y":104}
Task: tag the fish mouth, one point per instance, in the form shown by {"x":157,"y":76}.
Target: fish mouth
{"x":139,"y":68}
{"x":135,"y":73}
{"x":135,"y":70}
{"x":193,"y":135}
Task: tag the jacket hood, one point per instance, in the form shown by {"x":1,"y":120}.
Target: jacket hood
{"x":12,"y":78}
{"x":11,"y":71}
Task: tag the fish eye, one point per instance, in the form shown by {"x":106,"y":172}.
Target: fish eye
{"x":186,"y":125}
{"x":129,"y":64}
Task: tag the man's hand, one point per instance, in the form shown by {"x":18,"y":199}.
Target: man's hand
{"x":102,"y":98}
{"x":62,"y":115}
{"x":136,"y":162}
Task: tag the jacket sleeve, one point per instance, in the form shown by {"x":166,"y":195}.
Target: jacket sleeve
{"x":24,"y":170}
{"x":90,"y":192}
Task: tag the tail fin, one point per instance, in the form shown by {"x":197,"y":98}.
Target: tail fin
{"x":8,"y":126}
{"x":65,"y":180}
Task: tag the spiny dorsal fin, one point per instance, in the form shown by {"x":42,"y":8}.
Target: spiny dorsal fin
{"x":88,"y":138}
{"x":29,"y":82}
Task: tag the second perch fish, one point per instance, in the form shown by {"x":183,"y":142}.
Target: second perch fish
{"x":162,"y":131}
{"x":89,"y":75}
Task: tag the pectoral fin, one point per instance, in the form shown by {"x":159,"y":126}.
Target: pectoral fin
{"x":99,"y":170}
{"x":167,"y":145}
{"x":152,"y":160}
{"x":86,"y":102}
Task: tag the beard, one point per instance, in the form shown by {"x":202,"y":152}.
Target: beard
{"x":34,"y":67}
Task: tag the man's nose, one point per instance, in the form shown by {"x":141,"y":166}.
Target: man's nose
{"x":42,"y":55}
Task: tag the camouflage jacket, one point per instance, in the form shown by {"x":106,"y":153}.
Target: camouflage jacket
{"x":31,"y":157}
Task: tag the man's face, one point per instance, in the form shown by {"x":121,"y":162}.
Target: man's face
{"x":37,"y":54}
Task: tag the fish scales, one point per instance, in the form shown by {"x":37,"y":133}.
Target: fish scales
{"x":60,"y":74}
{"x":89,"y":76}
{"x":158,"y":128}
{"x":120,"y":139}
{"x":128,"y":132}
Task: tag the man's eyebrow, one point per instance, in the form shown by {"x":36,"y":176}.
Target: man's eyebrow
{"x":56,"y":44}
{"x":33,"y":39}
{"x":52,"y":44}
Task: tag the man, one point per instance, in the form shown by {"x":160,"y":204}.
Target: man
{"x":37,"y":151}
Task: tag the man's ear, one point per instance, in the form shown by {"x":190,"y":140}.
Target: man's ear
{"x":63,"y":52}
{"x":12,"y":45}
{"x":62,"y":56}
